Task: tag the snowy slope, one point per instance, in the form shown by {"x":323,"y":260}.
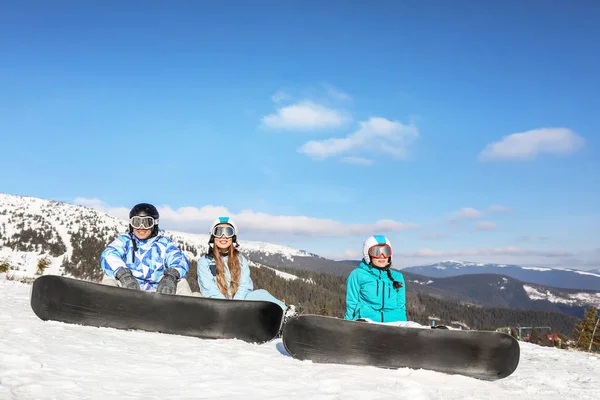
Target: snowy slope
{"x":578,"y":298}
{"x":52,"y":360}
{"x":61,"y":220}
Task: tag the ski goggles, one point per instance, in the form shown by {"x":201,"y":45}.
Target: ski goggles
{"x":226,"y":231}
{"x":380,"y":251}
{"x":143,"y":222}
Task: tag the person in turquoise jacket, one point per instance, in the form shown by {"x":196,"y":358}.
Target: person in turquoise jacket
{"x":374,"y":292}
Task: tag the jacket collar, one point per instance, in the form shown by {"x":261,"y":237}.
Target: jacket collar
{"x":370,"y":269}
{"x":141,"y":242}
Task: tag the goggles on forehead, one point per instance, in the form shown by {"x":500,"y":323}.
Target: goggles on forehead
{"x":226,"y":231}
{"x":143,"y":222}
{"x":380,"y":251}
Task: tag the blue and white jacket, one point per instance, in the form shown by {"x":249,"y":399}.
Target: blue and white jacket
{"x":207,"y":278}
{"x":148,"y":262}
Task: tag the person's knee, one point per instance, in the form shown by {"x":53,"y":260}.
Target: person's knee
{"x":259,"y":294}
{"x":183,"y":287}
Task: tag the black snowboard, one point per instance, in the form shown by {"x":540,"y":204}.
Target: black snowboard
{"x":85,"y":303}
{"x":479,"y":354}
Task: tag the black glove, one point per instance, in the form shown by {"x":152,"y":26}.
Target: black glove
{"x":168,"y":283}
{"x":127,"y":280}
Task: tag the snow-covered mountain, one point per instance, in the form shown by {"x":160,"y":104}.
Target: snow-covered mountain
{"x":492,"y":290}
{"x":71,"y":237}
{"x":555,"y":277}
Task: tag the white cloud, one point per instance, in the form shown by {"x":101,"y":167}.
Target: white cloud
{"x":466,"y":213}
{"x":96,"y":204}
{"x":528,"y":145}
{"x":353,"y":254}
{"x":501,"y":251}
{"x":357,"y":160}
{"x":337,"y":94}
{"x":305,"y":115}
{"x":498,"y":208}
{"x":376,"y":134}
{"x":198,"y":220}
{"x":349,"y":254}
{"x":485,"y":226}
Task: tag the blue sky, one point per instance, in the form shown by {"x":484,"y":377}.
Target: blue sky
{"x":460,"y":131}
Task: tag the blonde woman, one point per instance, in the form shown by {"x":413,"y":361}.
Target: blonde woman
{"x":223,"y":273}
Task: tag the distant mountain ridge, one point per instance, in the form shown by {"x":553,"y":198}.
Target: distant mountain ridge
{"x":554,"y":277}
{"x":492,"y":290}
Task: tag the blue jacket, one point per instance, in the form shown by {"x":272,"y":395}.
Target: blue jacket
{"x":152,"y":257}
{"x":370,"y":294}
{"x":207,"y":278}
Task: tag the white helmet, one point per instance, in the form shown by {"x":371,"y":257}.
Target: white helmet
{"x":374,"y":241}
{"x":223,"y":220}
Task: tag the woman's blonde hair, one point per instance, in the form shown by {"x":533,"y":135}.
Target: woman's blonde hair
{"x":233,"y":263}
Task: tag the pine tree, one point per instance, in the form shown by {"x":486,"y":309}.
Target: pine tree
{"x":585,"y":329}
{"x":4,"y":265}
{"x":595,"y":343}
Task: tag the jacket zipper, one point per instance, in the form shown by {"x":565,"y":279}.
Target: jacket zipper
{"x":382,"y":302}
{"x":382,"y":297}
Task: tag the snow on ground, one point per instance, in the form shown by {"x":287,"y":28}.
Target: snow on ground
{"x":284,"y":275}
{"x":52,"y":360}
{"x":25,"y":262}
{"x":459,"y":264}
{"x":585,"y":273}
{"x":543,"y":269}
{"x":535,"y":293}
{"x":422,"y":283}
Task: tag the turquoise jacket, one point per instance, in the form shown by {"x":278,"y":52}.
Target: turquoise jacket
{"x":370,"y":294}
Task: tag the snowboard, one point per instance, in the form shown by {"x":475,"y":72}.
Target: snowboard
{"x":479,"y":354}
{"x":81,"y":302}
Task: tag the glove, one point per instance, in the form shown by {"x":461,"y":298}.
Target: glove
{"x":168,"y":283}
{"x":127,"y":280}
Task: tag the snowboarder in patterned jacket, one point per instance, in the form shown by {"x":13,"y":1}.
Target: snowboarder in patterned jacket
{"x":224,"y":273}
{"x":145,"y":259}
{"x":374,"y":292}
